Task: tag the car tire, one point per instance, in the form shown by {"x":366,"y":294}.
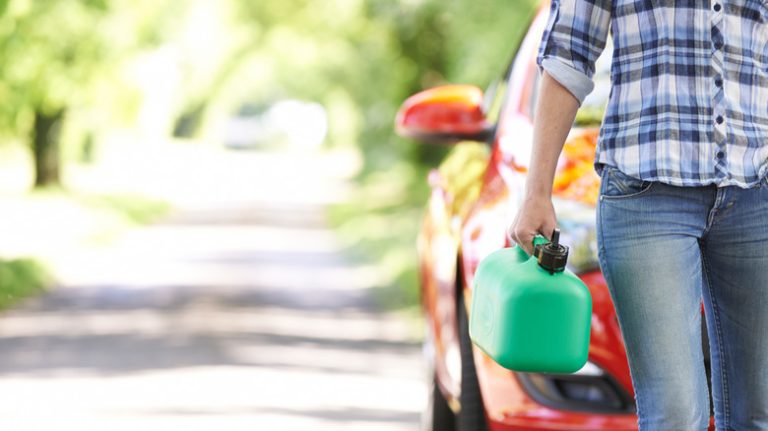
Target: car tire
{"x":438,"y":415}
{"x":471,"y":417}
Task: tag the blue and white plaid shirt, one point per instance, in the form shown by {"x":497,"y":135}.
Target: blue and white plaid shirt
{"x":689,"y":95}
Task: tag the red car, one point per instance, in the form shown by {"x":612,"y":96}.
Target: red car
{"x":475,"y":194}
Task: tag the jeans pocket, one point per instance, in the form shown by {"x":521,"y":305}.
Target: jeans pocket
{"x":618,"y":185}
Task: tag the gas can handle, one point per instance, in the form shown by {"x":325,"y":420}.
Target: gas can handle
{"x":537,"y":240}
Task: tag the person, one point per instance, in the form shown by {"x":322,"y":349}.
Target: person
{"x":682,"y":213}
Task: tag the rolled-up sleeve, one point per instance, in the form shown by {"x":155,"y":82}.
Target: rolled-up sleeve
{"x":573,"y":39}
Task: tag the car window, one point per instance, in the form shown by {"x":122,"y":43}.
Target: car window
{"x":495,"y":96}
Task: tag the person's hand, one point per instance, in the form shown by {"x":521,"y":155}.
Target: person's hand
{"x":535,"y":216}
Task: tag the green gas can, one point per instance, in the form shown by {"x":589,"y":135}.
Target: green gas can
{"x":531,"y":314}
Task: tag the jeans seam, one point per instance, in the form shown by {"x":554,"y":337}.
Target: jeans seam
{"x":719,"y":335}
{"x":611,"y":175}
{"x":601,"y":259}
{"x":638,"y":194}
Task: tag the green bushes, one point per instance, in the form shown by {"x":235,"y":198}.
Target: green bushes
{"x":380,"y":225}
{"x":21,"y":278}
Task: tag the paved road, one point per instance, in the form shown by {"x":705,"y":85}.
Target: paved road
{"x":240,"y":312}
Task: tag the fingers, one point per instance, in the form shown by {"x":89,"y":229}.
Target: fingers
{"x":548,"y":228}
{"x":523,"y":237}
{"x":533,"y":218}
{"x":526,"y":239}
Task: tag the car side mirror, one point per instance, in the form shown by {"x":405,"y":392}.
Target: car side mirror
{"x":445,"y":115}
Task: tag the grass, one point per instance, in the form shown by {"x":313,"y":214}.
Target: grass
{"x":20,"y":279}
{"x":43,"y":224}
{"x":380,"y":225}
{"x":136,"y":209}
{"x":55,"y":221}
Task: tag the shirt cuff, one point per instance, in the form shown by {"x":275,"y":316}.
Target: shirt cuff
{"x":575,"y":81}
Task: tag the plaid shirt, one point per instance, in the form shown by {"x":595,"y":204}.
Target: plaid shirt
{"x":689,"y":96}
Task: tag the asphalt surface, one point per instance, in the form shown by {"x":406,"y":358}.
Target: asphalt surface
{"x":240,"y":312}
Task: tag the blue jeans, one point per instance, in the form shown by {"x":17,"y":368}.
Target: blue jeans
{"x":662,"y":250}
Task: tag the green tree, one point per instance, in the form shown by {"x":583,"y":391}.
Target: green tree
{"x":49,"y":52}
{"x":375,"y":53}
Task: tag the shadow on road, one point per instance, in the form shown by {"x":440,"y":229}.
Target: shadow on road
{"x":237,"y":313}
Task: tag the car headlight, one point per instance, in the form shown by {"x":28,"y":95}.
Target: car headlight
{"x":590,"y":389}
{"x":578,"y":231}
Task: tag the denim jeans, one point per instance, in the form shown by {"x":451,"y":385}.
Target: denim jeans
{"x":663,"y":249}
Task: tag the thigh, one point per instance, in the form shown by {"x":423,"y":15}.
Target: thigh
{"x":650,"y":257}
{"x":735,"y":251}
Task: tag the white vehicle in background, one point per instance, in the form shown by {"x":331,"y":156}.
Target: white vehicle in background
{"x":287,"y":123}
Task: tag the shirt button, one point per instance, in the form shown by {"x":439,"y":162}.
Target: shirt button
{"x":718,"y":82}
{"x":719,"y":119}
{"x":717,"y":7}
{"x":720,"y":155}
{"x":718,"y":44}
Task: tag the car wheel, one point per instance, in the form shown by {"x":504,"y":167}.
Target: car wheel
{"x":438,"y":415}
{"x":472,"y":414}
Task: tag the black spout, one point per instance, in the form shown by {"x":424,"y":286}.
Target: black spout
{"x":553,"y":256}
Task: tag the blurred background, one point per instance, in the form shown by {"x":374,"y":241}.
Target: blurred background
{"x":206,"y":220}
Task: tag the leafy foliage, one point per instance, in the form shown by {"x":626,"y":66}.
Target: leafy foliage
{"x":359,"y":58}
{"x":19,"y":279}
{"x":48,"y":49}
{"x":72,"y":61}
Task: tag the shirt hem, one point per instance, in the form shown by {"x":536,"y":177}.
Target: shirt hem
{"x":683,"y":182}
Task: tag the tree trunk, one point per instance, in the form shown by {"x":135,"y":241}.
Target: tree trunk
{"x":46,"y":148}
